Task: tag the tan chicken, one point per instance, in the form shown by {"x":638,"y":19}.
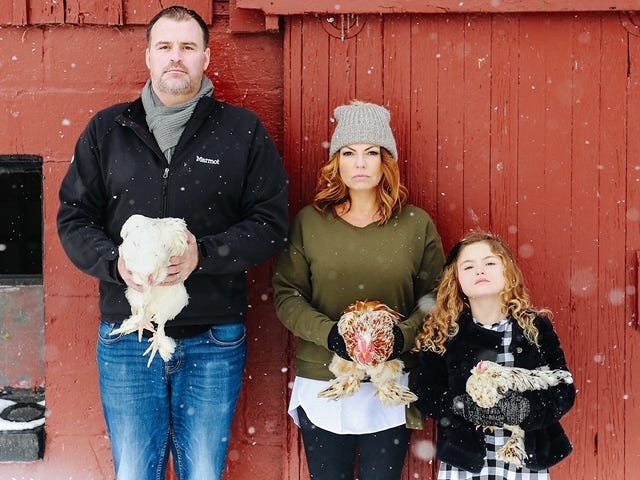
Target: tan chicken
{"x":367,"y":329}
{"x":489,"y":382}
{"x":147,"y":245}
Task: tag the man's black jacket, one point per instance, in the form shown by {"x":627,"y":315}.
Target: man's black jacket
{"x":226,"y":180}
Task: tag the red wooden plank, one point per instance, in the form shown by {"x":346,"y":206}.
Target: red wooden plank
{"x":341,"y":34}
{"x":16,"y":14}
{"x":422,"y":181}
{"x":45,"y":12}
{"x":115,"y":12}
{"x":295,"y":466}
{"x":632,"y":373}
{"x":611,"y":258}
{"x":316,"y":111}
{"x":396,"y":62}
{"x":86,"y":12}
{"x":504,"y":126}
{"x":476,"y":122}
{"x":293,"y":128}
{"x":369,"y":60}
{"x":421,"y":462}
{"x":292,"y":7}
{"x":292,"y":155}
{"x":450,"y":107}
{"x":585,"y":357}
{"x":552,"y":286}
{"x":532,"y":151}
{"x":557,"y":169}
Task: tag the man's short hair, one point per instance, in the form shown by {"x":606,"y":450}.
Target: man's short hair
{"x":179,"y":13}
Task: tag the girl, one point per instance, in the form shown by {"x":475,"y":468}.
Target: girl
{"x":358,"y":241}
{"x":484,"y":312}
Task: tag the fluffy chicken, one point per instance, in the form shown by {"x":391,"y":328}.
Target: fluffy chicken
{"x":489,"y":382}
{"x":367,"y":329}
{"x":147,"y":245}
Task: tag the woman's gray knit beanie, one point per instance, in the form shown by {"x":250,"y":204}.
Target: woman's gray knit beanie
{"x":362,"y":122}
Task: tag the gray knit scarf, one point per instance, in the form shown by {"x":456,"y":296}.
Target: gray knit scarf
{"x":167,"y":122}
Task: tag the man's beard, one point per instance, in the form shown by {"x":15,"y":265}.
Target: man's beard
{"x":173,"y":86}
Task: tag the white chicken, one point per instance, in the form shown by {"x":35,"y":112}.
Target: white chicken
{"x":367,"y":328}
{"x":147,"y":245}
{"x":489,"y":382}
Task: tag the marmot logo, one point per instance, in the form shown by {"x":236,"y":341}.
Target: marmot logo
{"x":210,"y":161}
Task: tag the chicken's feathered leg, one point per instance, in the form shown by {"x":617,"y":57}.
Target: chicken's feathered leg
{"x":139,"y":320}
{"x":385,"y":376}
{"x":165,"y":303}
{"x":160,"y":343}
{"x":513,"y":451}
{"x":347,"y":381}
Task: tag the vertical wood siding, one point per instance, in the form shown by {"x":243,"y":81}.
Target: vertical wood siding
{"x":526,"y":125}
{"x":632,"y":243}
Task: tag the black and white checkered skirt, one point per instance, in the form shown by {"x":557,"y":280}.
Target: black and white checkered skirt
{"x":494,"y":468}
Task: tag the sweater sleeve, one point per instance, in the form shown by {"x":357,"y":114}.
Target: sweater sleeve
{"x":80,"y":216}
{"x":548,"y":406}
{"x":425,"y":284}
{"x":292,"y":293}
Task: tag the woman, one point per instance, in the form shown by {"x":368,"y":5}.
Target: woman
{"x":357,"y":241}
{"x":484,"y":312}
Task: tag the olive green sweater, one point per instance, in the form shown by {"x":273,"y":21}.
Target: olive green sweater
{"x":330,"y":263}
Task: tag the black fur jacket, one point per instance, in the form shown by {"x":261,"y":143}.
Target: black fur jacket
{"x":439,"y":378}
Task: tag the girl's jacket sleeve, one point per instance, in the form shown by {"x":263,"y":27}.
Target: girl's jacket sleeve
{"x":429,"y":381}
{"x":548,"y":406}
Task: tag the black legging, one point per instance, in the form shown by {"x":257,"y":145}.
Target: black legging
{"x":332,"y":456}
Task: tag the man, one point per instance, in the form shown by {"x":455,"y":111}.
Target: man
{"x":175,"y":152}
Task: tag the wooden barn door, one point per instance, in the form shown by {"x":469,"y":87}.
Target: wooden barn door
{"x":524,"y":124}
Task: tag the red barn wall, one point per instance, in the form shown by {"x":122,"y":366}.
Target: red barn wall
{"x":525,"y":123}
{"x":61,"y":62}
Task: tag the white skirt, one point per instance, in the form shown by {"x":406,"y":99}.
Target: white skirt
{"x":358,"y":414}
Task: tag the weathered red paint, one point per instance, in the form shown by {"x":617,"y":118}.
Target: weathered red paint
{"x":522,"y":123}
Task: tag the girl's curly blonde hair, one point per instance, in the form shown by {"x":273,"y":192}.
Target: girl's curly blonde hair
{"x":442,"y":323}
{"x":332,"y":191}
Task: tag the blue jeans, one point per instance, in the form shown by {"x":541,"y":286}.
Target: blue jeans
{"x":185,"y":405}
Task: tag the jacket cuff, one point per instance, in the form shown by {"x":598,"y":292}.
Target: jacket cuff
{"x":116,"y":273}
{"x":398,"y":343}
{"x":202,"y":253}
